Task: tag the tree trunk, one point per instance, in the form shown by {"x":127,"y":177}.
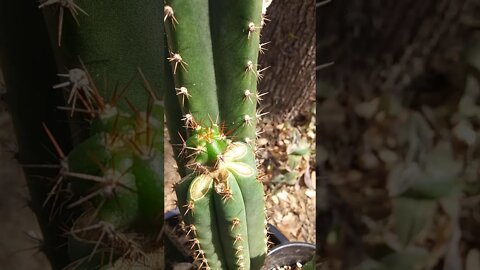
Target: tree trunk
{"x":290,"y":79}
{"x":393,"y":45}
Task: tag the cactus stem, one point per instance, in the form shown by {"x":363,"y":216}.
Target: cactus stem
{"x":168,"y":11}
{"x":177,"y":59}
{"x":183,"y":92}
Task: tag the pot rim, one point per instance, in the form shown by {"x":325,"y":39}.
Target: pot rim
{"x":292,"y":243}
{"x":288,"y":254}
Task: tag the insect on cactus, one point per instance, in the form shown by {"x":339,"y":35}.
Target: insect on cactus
{"x":211,"y":114}
{"x":103,"y":206}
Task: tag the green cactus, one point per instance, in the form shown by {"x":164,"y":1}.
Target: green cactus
{"x":104,"y":206}
{"x":211,"y":114}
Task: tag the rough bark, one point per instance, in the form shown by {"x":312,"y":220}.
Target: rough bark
{"x":394,"y":45}
{"x":290,"y":80}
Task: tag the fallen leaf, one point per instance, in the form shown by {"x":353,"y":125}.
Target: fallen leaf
{"x":310,"y":193}
{"x":464,"y":132}
{"x":472,"y":261}
{"x":401,"y":177}
{"x":368,"y":160}
{"x":262,"y":141}
{"x":388,"y":156}
{"x":411,"y":217}
{"x":367,"y":109}
{"x":290,"y":224}
{"x":403,"y":260}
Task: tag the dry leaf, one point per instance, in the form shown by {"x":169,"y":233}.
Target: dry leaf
{"x":367,"y":109}
{"x":464,"y":132}
{"x":473,"y":260}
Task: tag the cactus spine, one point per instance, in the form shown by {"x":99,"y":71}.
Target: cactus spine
{"x":106,"y":201}
{"x":211,"y":113}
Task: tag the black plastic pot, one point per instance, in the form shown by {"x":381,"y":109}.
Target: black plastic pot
{"x":289,"y":254}
{"x":275,"y":236}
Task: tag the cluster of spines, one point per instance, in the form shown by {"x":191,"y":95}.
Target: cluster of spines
{"x":200,"y":84}
{"x":71,"y":6}
{"x":220,"y":172}
{"x":217,"y":78}
{"x":102,"y":169}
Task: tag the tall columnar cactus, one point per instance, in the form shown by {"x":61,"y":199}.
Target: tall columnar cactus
{"x":105,"y":203}
{"x":213,"y":48}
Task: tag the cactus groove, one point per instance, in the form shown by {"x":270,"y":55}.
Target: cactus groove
{"x":213,"y":49}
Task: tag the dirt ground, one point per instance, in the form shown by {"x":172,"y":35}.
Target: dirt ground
{"x":18,"y":226}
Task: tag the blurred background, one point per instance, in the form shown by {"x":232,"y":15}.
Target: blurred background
{"x":398,"y":124}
